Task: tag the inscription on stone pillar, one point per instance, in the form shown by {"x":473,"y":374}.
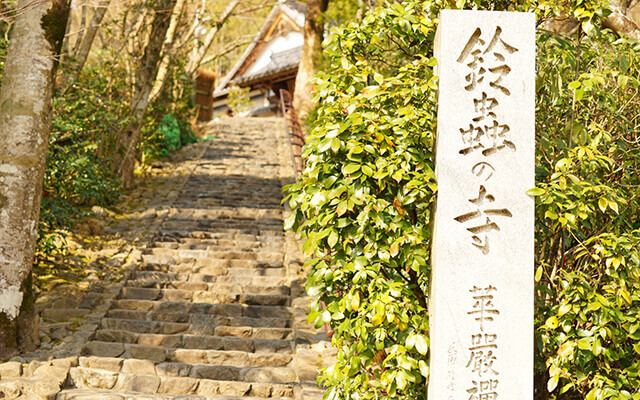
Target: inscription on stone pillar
{"x":481,"y":302}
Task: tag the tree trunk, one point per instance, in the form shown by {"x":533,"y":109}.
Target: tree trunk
{"x":620,"y":22}
{"x":25,"y":119}
{"x":198,"y":54}
{"x":87,"y":39}
{"x":167,"y":51}
{"x":83,"y":24}
{"x":124,"y":149}
{"x":311,"y":55}
{"x":64,"y":52}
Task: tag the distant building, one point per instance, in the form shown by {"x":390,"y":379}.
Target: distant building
{"x":269,"y":64}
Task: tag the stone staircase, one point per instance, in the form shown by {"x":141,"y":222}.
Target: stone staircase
{"x":211,"y":306}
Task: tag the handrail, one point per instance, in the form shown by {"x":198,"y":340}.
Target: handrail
{"x":294,"y":128}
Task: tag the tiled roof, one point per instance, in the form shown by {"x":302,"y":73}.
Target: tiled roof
{"x":279,"y":62}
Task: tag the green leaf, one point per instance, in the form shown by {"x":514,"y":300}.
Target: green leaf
{"x":624,"y":64}
{"x":535,"y":192}
{"x":351,"y":168}
{"x":342,"y":208}
{"x":538,"y":274}
{"x":565,"y":308}
{"x":345,"y":63}
{"x":424,"y":368}
{"x":585,"y":343}
{"x":552,"y":383}
{"x":602,"y":203}
{"x":623,"y":80}
{"x":575,"y":84}
{"x":332,"y":239}
{"x":335,"y":144}
{"x":552,"y":322}
{"x":421,"y":345}
{"x":289,"y":221}
{"x":411,"y":341}
{"x":326,"y":317}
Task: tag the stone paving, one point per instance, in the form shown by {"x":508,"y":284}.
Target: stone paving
{"x":210,"y":304}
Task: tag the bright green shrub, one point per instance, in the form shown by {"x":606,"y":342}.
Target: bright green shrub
{"x":171,"y":134}
{"x":363,"y":203}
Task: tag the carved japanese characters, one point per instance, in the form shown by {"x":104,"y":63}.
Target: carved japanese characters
{"x":481,"y":302}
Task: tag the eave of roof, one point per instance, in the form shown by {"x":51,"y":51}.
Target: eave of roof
{"x":247,"y":80}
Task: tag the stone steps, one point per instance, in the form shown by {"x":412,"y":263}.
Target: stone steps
{"x":109,"y":395}
{"x":137,"y":322}
{"x":175,"y":256}
{"x":203,"y":342}
{"x":229,"y":310}
{"x":207,"y":274}
{"x":158,"y":273}
{"x":251,"y":221}
{"x":219,"y":245}
{"x":187,"y":230}
{"x":160,"y":354}
{"x":219,"y":252}
{"x":210,"y":305}
{"x":145,"y":379}
{"x":203,"y":296}
{"x":201,"y":286}
{"x":192,"y":235}
{"x":202,"y":327}
{"x":170,"y":261}
{"x":214,"y":267}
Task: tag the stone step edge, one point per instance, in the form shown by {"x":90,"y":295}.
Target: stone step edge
{"x":129,"y":315}
{"x":95,"y":378}
{"x":184,"y":326}
{"x":223,"y":264}
{"x":203,"y":296}
{"x":155,"y":306}
{"x":83,"y":394}
{"x":154,"y":355}
{"x":210,"y":286}
{"x":252,"y":280}
{"x":179,"y":341}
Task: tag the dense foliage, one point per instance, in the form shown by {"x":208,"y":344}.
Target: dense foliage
{"x":90,"y":111}
{"x":75,"y":177}
{"x":364,"y":200}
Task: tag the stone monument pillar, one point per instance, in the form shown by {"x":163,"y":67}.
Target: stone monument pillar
{"x":481,"y":302}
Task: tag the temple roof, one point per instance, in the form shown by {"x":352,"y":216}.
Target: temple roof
{"x":275,"y":49}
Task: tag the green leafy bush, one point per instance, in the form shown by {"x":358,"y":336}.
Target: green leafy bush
{"x":170,"y":135}
{"x":363,"y":203}
{"x":167,"y":126}
{"x":75,"y":177}
{"x":588,"y":218}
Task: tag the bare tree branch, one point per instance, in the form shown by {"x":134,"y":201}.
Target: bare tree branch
{"x":198,"y":56}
